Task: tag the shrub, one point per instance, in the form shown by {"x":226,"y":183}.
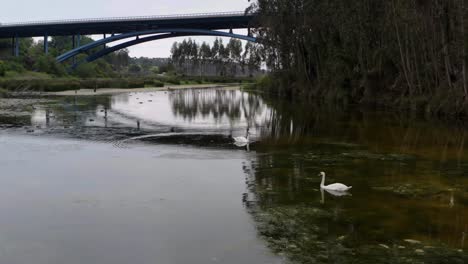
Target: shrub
{"x":61,"y":85}
{"x":3,"y":93}
{"x":158,"y":83}
{"x":2,"y":69}
{"x":136,"y":83}
{"x":13,"y":66}
{"x":85,"y":70}
{"x":49,"y":65}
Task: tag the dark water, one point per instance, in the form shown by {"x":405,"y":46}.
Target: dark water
{"x":154,"y":178}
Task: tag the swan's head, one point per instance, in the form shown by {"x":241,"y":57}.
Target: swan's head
{"x":322,"y":174}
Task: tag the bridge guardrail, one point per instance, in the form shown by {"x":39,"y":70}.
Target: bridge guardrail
{"x":119,"y":19}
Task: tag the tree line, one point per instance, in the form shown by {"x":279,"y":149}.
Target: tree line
{"x":225,"y":60}
{"x":408,"y":53}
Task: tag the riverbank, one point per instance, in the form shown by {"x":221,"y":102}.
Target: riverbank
{"x":111,"y":91}
{"x":41,"y":83}
{"x":440,"y":105}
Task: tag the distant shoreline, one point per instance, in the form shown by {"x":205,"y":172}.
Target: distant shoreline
{"x":110,"y":91}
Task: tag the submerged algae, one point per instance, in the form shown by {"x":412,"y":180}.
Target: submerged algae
{"x":300,"y":233}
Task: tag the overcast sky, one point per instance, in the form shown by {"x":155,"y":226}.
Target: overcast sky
{"x":30,"y":10}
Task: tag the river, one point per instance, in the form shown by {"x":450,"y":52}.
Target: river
{"x":154,"y":177}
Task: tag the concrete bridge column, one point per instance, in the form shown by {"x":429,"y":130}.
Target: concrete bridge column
{"x":16,"y":49}
{"x":78,"y":40}
{"x":104,"y":45}
{"x":46,"y":44}
{"x":12,"y":46}
{"x":76,"y":44}
{"x":74,"y":47}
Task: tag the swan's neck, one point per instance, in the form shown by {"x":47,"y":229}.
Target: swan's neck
{"x":323,"y":181}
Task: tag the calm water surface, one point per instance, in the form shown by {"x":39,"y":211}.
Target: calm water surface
{"x":154,"y":178}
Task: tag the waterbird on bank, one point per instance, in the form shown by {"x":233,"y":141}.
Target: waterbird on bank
{"x":337,"y":187}
{"x":242,"y":140}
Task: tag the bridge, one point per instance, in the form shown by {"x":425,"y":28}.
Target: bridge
{"x":137,"y":29}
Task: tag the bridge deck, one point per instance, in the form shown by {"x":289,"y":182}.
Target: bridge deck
{"x":210,"y":21}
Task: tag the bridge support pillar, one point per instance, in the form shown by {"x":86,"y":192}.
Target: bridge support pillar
{"x":76,"y":44}
{"x":78,"y":41}
{"x":104,"y":45}
{"x":74,"y":47}
{"x":249,"y":32}
{"x":46,"y":44}
{"x":16,"y":48}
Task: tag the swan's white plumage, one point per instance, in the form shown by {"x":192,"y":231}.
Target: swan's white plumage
{"x":241,"y":139}
{"x":339,"y":187}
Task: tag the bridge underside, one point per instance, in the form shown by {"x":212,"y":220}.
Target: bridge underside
{"x":144,"y":29}
{"x":149,"y":35}
{"x":213,"y":21}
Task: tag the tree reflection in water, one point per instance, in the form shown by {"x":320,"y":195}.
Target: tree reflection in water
{"x":236,"y":107}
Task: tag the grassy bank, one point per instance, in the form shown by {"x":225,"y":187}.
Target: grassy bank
{"x":37,"y":82}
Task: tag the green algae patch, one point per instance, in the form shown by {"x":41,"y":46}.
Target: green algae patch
{"x":303,"y":234}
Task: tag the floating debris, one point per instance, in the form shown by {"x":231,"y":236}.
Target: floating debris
{"x":419,"y":251}
{"x":412,"y":241}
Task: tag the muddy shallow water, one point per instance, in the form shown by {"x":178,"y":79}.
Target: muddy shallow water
{"x":153,"y":177}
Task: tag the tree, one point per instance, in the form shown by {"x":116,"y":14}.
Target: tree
{"x":366,"y":48}
{"x":85,"y":70}
{"x":235,"y":54}
{"x":135,"y":69}
{"x":48,"y":64}
{"x":205,"y":55}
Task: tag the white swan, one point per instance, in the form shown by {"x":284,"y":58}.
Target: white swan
{"x":337,"y":187}
{"x":242,"y":140}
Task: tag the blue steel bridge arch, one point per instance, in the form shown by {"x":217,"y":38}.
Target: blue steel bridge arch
{"x":164,"y":33}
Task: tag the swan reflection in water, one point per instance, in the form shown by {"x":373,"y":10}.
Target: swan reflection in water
{"x":333,"y":193}
{"x":243,"y":144}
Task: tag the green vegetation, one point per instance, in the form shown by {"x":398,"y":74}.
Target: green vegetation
{"x":3,"y":93}
{"x":33,"y":59}
{"x":45,"y":83}
{"x":410,"y":54}
{"x":34,"y":71}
